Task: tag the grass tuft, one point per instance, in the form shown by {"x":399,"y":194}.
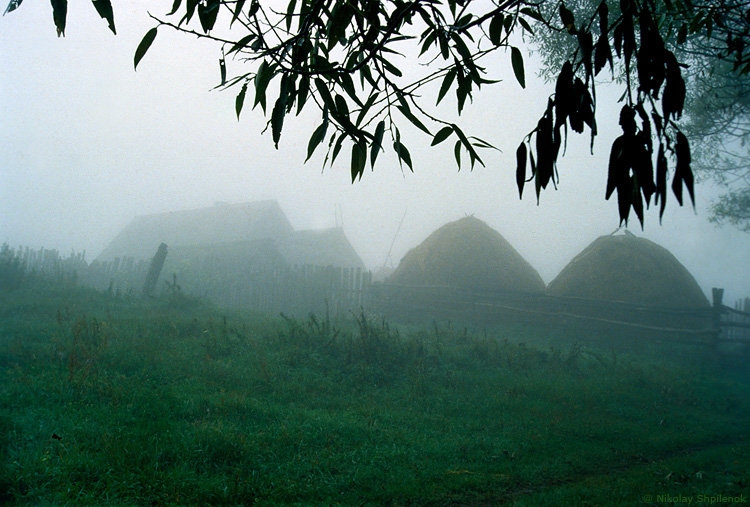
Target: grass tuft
{"x":114,"y":400}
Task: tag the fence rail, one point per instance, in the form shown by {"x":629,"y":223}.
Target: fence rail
{"x":307,"y":288}
{"x":734,"y":322}
{"x":711,"y":326}
{"x":294,"y":290}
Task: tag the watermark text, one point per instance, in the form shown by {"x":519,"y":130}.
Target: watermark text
{"x":699,"y":499}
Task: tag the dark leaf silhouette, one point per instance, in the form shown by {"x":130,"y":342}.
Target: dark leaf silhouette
{"x":442,"y":135}
{"x":104,"y":8}
{"x":317,"y":137}
{"x":237,"y":11}
{"x":279,"y":111}
{"x":377,"y":142}
{"x":403,"y":154}
{"x":145,"y":43}
{"x":673,"y":99}
{"x":336,"y":41}
{"x":586,"y":44}
{"x":564,"y":93}
{"x":262,"y":78}
{"x":60,"y":15}
{"x":651,"y":55}
{"x":520,"y":168}
{"x":567,"y":18}
{"x":208,"y":11}
{"x":446,"y":85}
{"x":240,"y":100}
{"x":175,"y":6}
{"x":682,"y":172}
{"x":615,"y":170}
{"x":546,"y":149}
{"x":630,"y":172}
{"x":496,"y":28}
{"x":602,"y":54}
{"x":517,"y":61}
{"x":12,"y":5}
{"x":223,"y":71}
{"x":661,"y":181}
{"x":359,"y":159}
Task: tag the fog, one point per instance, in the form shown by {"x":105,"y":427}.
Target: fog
{"x":87,"y":143}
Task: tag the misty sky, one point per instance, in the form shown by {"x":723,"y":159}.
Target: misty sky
{"x":87,"y":143}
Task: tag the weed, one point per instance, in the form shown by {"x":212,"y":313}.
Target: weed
{"x":147,"y":403}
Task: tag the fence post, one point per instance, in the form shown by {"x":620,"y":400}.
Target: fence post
{"x":718,"y":295}
{"x":155,"y":270}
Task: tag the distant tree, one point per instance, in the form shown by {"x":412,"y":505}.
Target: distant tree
{"x":718,"y":126}
{"x":363,"y":63}
{"x":717,"y":105}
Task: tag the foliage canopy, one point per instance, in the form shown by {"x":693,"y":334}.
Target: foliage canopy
{"x":717,"y":104}
{"x":363,"y":63}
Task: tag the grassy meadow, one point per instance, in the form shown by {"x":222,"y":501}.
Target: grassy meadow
{"x":113,"y":400}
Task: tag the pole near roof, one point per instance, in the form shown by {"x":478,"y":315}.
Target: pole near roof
{"x":338,"y":214}
{"x":394,"y":239}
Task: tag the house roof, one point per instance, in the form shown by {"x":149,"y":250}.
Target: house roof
{"x":327,"y":247}
{"x":250,"y":234}
{"x":323,"y":247}
{"x":222,"y":223}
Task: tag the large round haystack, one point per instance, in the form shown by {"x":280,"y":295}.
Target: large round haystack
{"x":629,"y":269}
{"x":470,"y":254}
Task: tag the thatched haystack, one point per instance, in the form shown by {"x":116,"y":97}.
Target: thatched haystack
{"x":629,"y":269}
{"x":469,"y":254}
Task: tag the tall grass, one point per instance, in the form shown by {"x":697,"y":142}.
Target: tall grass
{"x":117,"y":401}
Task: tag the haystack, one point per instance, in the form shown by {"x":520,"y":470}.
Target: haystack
{"x":629,"y":269}
{"x":469,"y":254}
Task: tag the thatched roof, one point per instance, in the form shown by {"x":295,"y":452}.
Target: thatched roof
{"x":253,"y":235}
{"x":629,"y":269}
{"x":322,"y":247}
{"x":223,"y":223}
{"x":469,"y":254}
{"x":225,"y":258}
{"x":326,"y":247}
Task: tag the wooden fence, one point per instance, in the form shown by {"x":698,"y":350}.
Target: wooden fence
{"x":299,"y":290}
{"x":120,"y":274}
{"x":47,"y":263}
{"x":711,"y":326}
{"x":296,"y":290}
{"x":734,"y":323}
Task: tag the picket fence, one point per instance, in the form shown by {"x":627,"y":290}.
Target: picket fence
{"x":296,"y":290}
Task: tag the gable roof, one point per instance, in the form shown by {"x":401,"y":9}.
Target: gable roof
{"x":222,"y":223}
{"x":256,"y":233}
{"x":327,"y":247}
{"x":324,"y":247}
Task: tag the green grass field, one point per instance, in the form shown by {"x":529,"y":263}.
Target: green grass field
{"x":115,"y":401}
